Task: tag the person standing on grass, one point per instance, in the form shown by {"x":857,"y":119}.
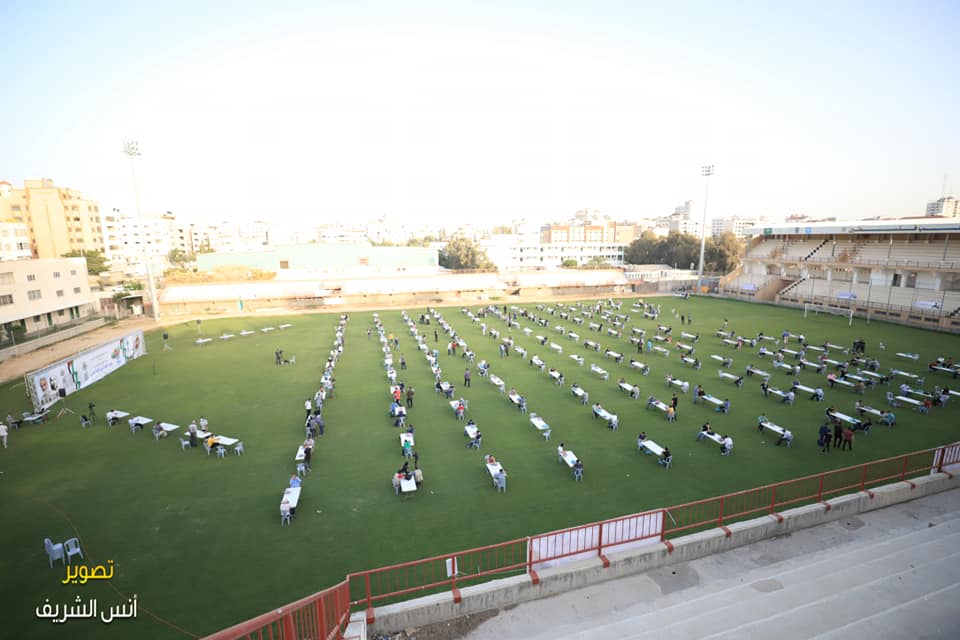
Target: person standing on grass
{"x":847,"y":439}
{"x":824,"y":439}
{"x":467,"y":374}
{"x":309,"y":408}
{"x":410,"y":394}
{"x":403,"y":362}
{"x":837,"y":434}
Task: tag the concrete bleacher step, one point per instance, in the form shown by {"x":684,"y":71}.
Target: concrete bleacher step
{"x":808,"y":585}
{"x":843,"y":606}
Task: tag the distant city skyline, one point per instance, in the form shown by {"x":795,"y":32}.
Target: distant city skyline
{"x":448,"y":114}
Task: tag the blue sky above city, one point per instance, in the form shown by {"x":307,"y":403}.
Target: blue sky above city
{"x":451,"y":112}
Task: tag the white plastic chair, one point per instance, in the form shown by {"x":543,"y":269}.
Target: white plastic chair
{"x":54,"y":551}
{"x":239,"y":448}
{"x":667,"y":462}
{"x":546,"y":434}
{"x":285,"y":518}
{"x":501,"y":484}
{"x":184,"y":444}
{"x":891,"y":399}
{"x":221,"y":452}
{"x":72,"y":548}
{"x":578,"y":475}
{"x":206,"y":447}
{"x":302,"y":469}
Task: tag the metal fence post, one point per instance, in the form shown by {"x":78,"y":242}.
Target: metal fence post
{"x":600,"y":539}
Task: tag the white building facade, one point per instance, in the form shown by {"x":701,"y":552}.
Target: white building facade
{"x":40,"y":294}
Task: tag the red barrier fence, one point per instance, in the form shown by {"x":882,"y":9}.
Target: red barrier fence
{"x":323,"y":616}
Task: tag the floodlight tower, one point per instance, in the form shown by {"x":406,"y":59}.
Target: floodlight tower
{"x":706,"y":171}
{"x":131,"y":148}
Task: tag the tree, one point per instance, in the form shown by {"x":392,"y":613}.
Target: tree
{"x":723,"y":254}
{"x":179,"y":258}
{"x":680,"y":250}
{"x":96,"y":262}
{"x":569,"y":263}
{"x":503,"y":229}
{"x":463,"y":253}
{"x":643,"y":250}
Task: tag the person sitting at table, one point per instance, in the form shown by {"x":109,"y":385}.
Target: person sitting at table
{"x":596,"y":410}
{"x":578,"y":469}
{"x":789,"y":397}
{"x":294,"y":481}
{"x":561,"y":452}
{"x":438,"y":386}
{"x":211,"y":442}
{"x":641,"y":438}
{"x":786,"y":437}
{"x":726,"y":445}
{"x":724,"y":407}
{"x":705,"y":429}
{"x":475,"y":442}
{"x":817,"y":394}
{"x":405,"y":469}
{"x":285,"y":510}
{"x":411,"y":429}
{"x":739,"y":381}
{"x":500,"y":479}
{"x":158,"y":431}
{"x":765,"y":389}
{"x":761,"y":419}
{"x":394,"y":407}
{"x":113,"y":419}
{"x":522,"y":404}
{"x":450,"y":391}
{"x":666,"y":457}
{"x":85,"y":421}
{"x":859,"y":406}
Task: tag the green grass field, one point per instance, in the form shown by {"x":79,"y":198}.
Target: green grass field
{"x":199,"y":539}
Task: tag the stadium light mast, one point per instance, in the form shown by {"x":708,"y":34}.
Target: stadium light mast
{"x":131,"y":148}
{"x":706,"y":171}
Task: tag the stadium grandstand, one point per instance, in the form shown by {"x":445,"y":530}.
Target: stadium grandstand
{"x":905,"y":270}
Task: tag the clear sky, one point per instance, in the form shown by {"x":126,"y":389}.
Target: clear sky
{"x":485,"y":111}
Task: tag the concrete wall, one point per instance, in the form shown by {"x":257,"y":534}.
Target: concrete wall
{"x":498,"y":594}
{"x":39,"y":343}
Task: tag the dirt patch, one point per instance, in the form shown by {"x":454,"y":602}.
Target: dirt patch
{"x":448,"y":630}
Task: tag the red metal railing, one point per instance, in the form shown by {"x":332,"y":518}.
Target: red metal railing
{"x":321,"y":616}
{"x":324,"y":615}
{"x":374,"y":585}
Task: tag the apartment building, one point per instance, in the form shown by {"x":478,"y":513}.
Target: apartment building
{"x":59,"y":220}
{"x":14,"y":241}
{"x":40,"y":294}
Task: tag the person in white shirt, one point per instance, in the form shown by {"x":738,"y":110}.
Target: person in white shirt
{"x":726,"y":445}
{"x":786,"y":437}
{"x":3,"y":434}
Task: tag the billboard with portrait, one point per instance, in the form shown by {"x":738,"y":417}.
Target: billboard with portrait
{"x":47,"y":385}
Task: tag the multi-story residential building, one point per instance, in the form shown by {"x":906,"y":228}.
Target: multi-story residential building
{"x":129,"y":239}
{"x":684,"y":225}
{"x":39,"y":294}
{"x":14,"y":241}
{"x":948,"y":207}
{"x":59,"y":220}
{"x":588,"y":226}
{"x":737,"y":225}
{"x":511,"y":252}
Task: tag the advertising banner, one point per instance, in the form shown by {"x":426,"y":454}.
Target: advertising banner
{"x":47,"y":385}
